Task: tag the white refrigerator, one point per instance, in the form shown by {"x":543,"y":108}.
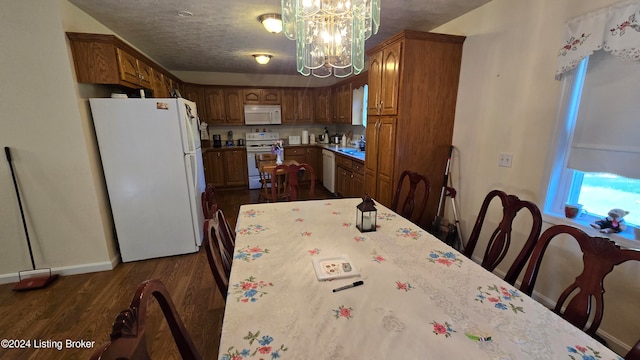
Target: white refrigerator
{"x":152,"y":161}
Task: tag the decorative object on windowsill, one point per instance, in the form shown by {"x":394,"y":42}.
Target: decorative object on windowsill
{"x":614,"y":223}
{"x":277,"y":149}
{"x":366,"y":215}
{"x":330,"y":34}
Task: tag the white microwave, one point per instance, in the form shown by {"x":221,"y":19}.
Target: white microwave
{"x":262,"y":115}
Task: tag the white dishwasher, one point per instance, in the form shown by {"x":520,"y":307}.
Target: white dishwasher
{"x":329,"y":170}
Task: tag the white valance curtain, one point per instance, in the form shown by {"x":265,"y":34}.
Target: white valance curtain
{"x":615,"y":29}
{"x":606,"y":137}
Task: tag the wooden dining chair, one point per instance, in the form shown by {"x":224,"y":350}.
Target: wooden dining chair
{"x":265,"y":176}
{"x":409,"y":203}
{"x":291,"y":183}
{"x":226,"y":234}
{"x":209,"y":204}
{"x":582,"y":302}
{"x":500,"y":240}
{"x":634,"y":353}
{"x":129,"y":335}
{"x":217,"y":256}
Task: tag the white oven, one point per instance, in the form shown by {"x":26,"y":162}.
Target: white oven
{"x":257,"y":143}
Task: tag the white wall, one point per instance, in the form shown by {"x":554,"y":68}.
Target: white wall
{"x":507,"y":102}
{"x":42,"y":124}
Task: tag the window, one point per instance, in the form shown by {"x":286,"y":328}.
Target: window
{"x":599,"y":117}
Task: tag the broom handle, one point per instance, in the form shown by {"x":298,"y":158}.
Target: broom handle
{"x":7,"y":152}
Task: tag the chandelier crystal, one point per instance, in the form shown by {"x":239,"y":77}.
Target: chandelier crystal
{"x":330,"y":34}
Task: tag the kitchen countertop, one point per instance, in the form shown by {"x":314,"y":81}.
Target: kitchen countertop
{"x":350,"y":152}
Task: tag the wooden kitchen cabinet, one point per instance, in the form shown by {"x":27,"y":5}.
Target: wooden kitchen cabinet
{"x":297,"y":106}
{"x":261,"y":96}
{"x":384,"y":80}
{"x":413,"y":84}
{"x":195,"y":93}
{"x":323,"y":107}
{"x":306,"y":154}
{"x":349,"y":177}
{"x":226,"y":167}
{"x":224,"y":105}
{"x":343,"y":104}
{"x":105,"y":59}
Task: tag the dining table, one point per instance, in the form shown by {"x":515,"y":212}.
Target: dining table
{"x":408,"y":294}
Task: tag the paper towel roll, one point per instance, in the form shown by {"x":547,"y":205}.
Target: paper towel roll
{"x":305,"y":137}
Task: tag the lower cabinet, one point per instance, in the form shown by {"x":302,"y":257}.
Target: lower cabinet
{"x":226,"y":167}
{"x":306,"y":154}
{"x":349,"y":177}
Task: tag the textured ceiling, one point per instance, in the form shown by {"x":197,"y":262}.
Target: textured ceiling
{"x":222,"y":35}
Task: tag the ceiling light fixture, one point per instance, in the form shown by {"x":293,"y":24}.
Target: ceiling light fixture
{"x":262,"y":59}
{"x":330,"y":34}
{"x":271,"y":22}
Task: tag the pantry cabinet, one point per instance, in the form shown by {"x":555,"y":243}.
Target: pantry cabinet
{"x":413,"y":84}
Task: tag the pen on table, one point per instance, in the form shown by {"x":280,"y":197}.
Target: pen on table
{"x":357,"y":283}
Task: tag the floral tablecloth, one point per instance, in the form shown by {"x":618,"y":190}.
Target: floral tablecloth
{"x":420,"y":299}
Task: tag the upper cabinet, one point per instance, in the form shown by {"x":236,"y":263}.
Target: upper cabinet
{"x":261,"y":96}
{"x":343,"y":98}
{"x":384,"y":80}
{"x":323,"y":107}
{"x":297,"y":106}
{"x":105,"y":59}
{"x":224,"y":105}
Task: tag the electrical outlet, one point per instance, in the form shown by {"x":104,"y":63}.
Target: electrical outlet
{"x":505,"y":159}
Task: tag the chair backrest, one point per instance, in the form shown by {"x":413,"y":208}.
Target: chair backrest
{"x":634,"y":353}
{"x":500,"y":240}
{"x":209,"y":204}
{"x":292,"y":175}
{"x":409,"y":203}
{"x":128,"y":334}
{"x":582,"y":301}
{"x":219,"y":259}
{"x":226,"y":234}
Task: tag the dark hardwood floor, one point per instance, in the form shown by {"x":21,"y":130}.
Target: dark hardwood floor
{"x":83,"y":307}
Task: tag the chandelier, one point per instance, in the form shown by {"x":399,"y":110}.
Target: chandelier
{"x":330,"y":34}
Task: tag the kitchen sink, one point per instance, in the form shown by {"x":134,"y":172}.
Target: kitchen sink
{"x":349,"y":151}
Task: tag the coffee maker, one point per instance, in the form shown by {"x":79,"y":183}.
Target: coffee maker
{"x":217,"y":141}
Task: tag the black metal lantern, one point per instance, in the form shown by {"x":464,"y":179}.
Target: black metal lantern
{"x":366,"y":215}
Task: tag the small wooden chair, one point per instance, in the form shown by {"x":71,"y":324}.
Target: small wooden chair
{"x":409,"y":203}
{"x":582,"y":302}
{"x":500,"y":239}
{"x":265,"y":176}
{"x":634,"y":353}
{"x":209,"y":204}
{"x":292,"y":186}
{"x":218,"y":257}
{"x":128,"y":334}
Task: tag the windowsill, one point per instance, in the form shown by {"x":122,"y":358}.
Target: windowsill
{"x":625,"y":239}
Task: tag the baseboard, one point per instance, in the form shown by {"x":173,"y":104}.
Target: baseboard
{"x":69,"y":270}
{"x":613,"y":343}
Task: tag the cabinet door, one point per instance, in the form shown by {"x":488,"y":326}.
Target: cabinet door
{"x":270,"y":96}
{"x":235,"y":162}
{"x":342,"y":181}
{"x":375,"y":86}
{"x":214,"y":98}
{"x":127,"y":67}
{"x":344,"y":105}
{"x":145,"y":72}
{"x":234,"y":106}
{"x":371,"y":160}
{"x":251,"y":96}
{"x":305,"y":106}
{"x":314,"y":158}
{"x":386,"y":141}
{"x":158,"y":85}
{"x":322,"y":113}
{"x":390,"y":83}
{"x":289,"y":106}
{"x":195,"y":93}
{"x":357,"y":185}
{"x":214,"y":168}
{"x":169,"y":85}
